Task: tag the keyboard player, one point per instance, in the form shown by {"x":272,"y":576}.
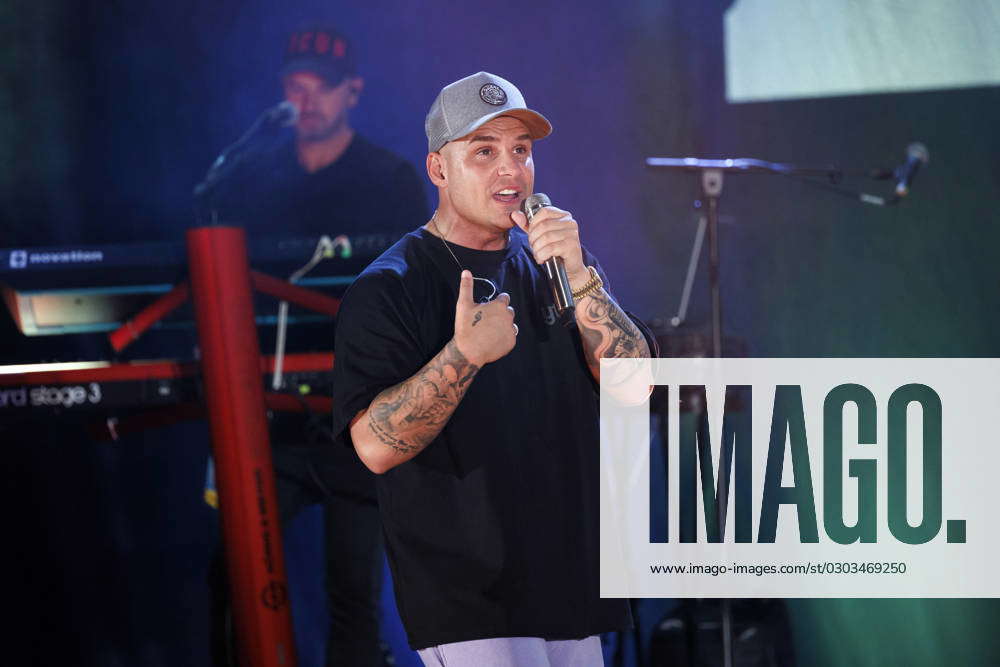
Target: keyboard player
{"x":324,"y":178}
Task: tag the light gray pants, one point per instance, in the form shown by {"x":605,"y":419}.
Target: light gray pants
{"x":516,"y":652}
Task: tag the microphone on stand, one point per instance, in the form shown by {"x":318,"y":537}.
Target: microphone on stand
{"x":916,"y":155}
{"x":555,"y":270}
{"x":280,"y":115}
{"x":273,"y":119}
{"x":285,"y":114}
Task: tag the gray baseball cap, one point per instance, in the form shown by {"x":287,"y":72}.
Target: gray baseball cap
{"x":463,"y":106}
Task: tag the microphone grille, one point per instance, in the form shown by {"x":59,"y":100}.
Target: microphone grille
{"x":918,"y":151}
{"x":532,"y":203}
{"x":288,"y":113}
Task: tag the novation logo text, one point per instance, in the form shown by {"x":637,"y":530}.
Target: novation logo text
{"x":22,"y":259}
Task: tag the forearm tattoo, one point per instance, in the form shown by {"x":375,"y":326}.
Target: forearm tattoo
{"x":408,"y":416}
{"x":607,"y":331}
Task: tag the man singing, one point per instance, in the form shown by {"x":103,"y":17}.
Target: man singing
{"x":478,"y":407}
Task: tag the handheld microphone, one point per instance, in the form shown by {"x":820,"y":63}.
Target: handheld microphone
{"x":555,"y":270}
{"x":916,"y":155}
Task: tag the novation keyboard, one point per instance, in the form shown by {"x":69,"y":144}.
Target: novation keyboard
{"x":94,"y":288}
{"x":91,"y":388}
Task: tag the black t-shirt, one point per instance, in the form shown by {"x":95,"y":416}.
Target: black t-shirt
{"x":492,"y":530}
{"x":368,"y":189}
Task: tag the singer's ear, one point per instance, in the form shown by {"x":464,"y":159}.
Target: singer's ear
{"x":435,"y":169}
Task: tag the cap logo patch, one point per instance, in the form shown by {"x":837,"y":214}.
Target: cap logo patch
{"x":493,"y":94}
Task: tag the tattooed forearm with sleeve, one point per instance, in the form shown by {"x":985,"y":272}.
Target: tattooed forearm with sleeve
{"x":607,"y":332}
{"x":406,"y":417}
{"x":409,"y":415}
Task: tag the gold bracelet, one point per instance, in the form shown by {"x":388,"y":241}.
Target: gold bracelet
{"x":590,"y":287}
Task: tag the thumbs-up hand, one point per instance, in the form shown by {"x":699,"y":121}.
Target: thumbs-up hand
{"x":484,"y":332}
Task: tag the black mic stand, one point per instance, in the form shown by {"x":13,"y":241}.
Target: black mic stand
{"x":234,"y":155}
{"x":712,"y":179}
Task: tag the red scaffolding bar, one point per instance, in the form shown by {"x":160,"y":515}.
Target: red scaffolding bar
{"x":221,"y":290}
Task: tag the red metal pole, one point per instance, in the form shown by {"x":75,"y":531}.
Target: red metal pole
{"x":285,"y":290}
{"x":230,"y":353}
{"x":124,"y":335}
